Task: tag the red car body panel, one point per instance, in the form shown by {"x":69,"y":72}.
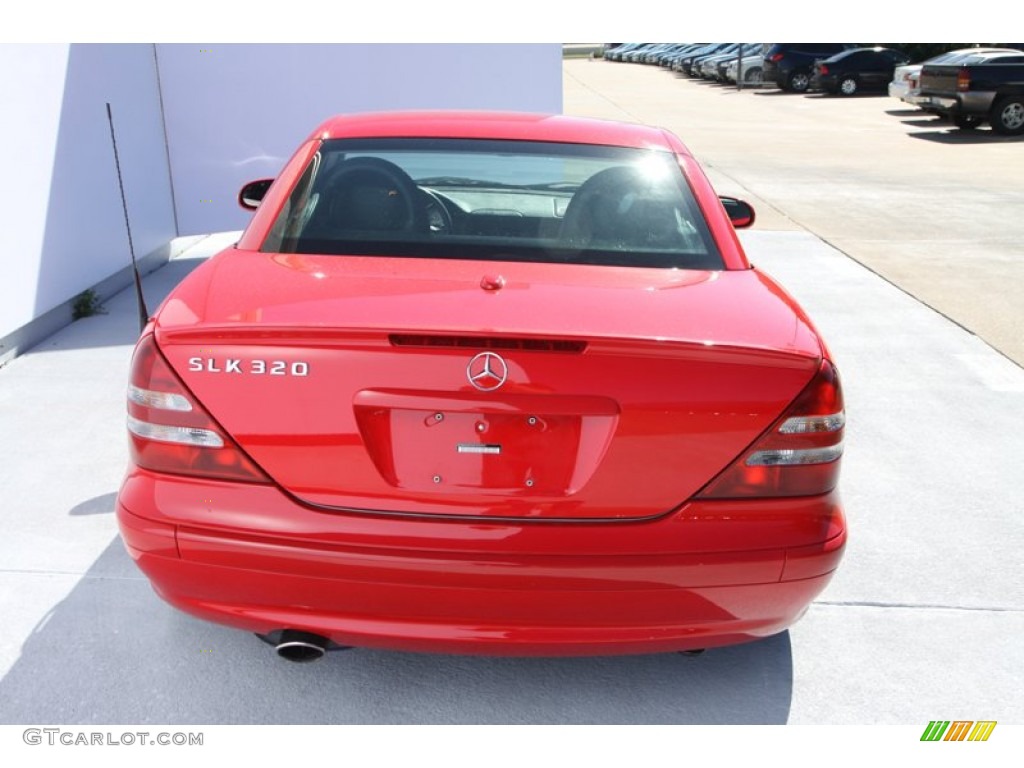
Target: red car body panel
{"x":584,"y":518}
{"x":335,"y":315}
{"x":248,"y":556}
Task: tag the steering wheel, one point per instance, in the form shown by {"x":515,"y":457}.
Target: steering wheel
{"x":371,"y":194}
{"x":439,"y":218}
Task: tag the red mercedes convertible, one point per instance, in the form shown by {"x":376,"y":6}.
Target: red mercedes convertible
{"x":488,"y":383}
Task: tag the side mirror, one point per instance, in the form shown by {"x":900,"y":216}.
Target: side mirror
{"x":740,"y":213}
{"x":252,"y":194}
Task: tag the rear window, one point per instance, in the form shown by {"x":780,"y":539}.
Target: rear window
{"x":495,"y":200}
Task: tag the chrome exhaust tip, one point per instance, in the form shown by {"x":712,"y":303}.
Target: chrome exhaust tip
{"x":301,"y":647}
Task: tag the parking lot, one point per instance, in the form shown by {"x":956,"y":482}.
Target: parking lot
{"x":900,"y":238}
{"x":933,"y":209}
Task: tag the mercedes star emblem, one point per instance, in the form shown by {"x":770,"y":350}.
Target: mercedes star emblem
{"x":487,"y":371}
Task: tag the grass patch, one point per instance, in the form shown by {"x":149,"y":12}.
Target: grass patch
{"x":86,"y":304}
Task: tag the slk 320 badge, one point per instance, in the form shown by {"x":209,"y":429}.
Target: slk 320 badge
{"x":255,"y":367}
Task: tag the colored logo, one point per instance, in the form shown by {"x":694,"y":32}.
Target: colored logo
{"x":958,"y":730}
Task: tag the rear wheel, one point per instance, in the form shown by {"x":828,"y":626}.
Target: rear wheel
{"x":754,"y":76}
{"x":848,"y":86}
{"x":966,"y":122}
{"x":1008,"y":116}
{"x":798,"y":82}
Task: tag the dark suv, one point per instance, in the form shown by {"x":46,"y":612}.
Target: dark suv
{"x":789,"y":65}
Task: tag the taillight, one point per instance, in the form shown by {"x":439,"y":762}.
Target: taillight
{"x":823,"y":69}
{"x":775,"y":57}
{"x":799,"y":455}
{"x":171,"y":432}
{"x":963,"y":80}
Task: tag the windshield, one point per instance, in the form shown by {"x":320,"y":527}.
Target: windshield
{"x":495,"y":200}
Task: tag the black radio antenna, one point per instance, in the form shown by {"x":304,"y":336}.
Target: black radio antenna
{"x":139,"y":298}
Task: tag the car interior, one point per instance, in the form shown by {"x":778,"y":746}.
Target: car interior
{"x":618,"y":213}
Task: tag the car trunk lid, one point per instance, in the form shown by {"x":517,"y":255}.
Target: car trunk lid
{"x":939,"y":80}
{"x":497,"y":390}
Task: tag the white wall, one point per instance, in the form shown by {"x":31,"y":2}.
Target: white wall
{"x":236,"y":112}
{"x":232,"y":113}
{"x":66,"y":228}
{"x":32,"y":102}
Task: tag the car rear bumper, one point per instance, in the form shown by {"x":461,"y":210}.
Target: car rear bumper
{"x":969,"y":103}
{"x":465,"y":587}
{"x":898,"y":90}
{"x":944,"y":105}
{"x":824,"y":83}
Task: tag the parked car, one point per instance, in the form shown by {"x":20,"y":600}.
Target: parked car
{"x":489,"y":383}
{"x":672,"y":59}
{"x":636,"y":56}
{"x":857,"y":70}
{"x":617,"y":53}
{"x":789,"y":65}
{"x":752,"y":70}
{"x":684,"y":64}
{"x":696,"y":65}
{"x":666,"y":58}
{"x":714,"y":67}
{"x":906,"y":80}
{"x":654,"y":53}
{"x":612,"y":51}
{"x":986,"y":87}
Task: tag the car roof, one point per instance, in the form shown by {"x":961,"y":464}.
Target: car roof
{"x":988,"y":58}
{"x":516,"y":126}
{"x":871,"y":49}
{"x":963,"y":52}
